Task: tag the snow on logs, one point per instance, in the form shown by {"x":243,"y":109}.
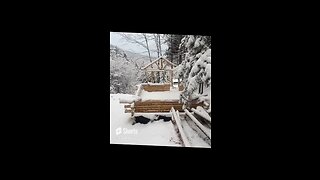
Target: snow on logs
{"x":203,"y":129}
{"x":176,"y":117}
{"x":201,"y":112}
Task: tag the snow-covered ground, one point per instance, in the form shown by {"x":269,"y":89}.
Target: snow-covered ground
{"x":158,"y":133}
{"x":124,"y":98}
{"x":123,"y":132}
{"x":173,"y":94}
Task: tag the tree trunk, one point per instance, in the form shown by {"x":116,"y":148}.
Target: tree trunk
{"x":145,"y":37}
{"x":159,"y":45}
{"x":171,"y":44}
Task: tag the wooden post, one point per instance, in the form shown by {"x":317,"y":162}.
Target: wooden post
{"x":171,"y":78}
{"x":146,"y":75}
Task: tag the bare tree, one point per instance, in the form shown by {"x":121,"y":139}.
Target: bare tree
{"x":159,"y":44}
{"x":147,"y":47}
{"x":142,"y":41}
{"x":157,"y":40}
{"x":155,"y":36}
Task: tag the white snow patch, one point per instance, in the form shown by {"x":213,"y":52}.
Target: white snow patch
{"x":128,"y":98}
{"x":174,"y":94}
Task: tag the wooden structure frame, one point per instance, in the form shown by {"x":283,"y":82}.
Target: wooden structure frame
{"x":161,"y":65}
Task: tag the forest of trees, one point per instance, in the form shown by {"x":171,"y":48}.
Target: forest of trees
{"x":125,"y":72}
{"x":174,"y":53}
{"x":192,"y":54}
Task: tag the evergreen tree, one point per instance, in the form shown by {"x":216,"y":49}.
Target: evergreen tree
{"x":173,"y":52}
{"x":195,"y":69}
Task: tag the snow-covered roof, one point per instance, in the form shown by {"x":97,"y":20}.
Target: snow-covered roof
{"x":158,"y":60}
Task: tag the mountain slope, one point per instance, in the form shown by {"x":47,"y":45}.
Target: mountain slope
{"x":138,"y":60}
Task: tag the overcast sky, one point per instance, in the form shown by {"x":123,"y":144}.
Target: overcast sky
{"x":117,"y":40}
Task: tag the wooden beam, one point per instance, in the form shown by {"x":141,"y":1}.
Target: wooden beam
{"x":160,"y":101}
{"x":126,"y":101}
{"x":203,"y":114}
{"x":151,"y":88}
{"x":205,"y":103}
{"x":157,"y":103}
{"x":156,"y":111}
{"x":151,"y":111}
{"x":178,"y":122}
{"x":204,"y":130}
{"x":155,"y":70}
{"x":127,"y":106}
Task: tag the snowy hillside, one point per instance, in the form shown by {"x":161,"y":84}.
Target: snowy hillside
{"x":125,"y":71}
{"x":139,"y":59}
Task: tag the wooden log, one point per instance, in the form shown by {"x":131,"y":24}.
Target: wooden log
{"x":160,"y":110}
{"x":178,"y":122}
{"x":167,"y":100}
{"x":205,"y":103}
{"x":155,"y":111}
{"x":207,"y":132}
{"x":127,"y":106}
{"x":160,"y":101}
{"x":169,"y":107}
{"x":125,"y":101}
{"x":198,"y":130}
{"x":156,"y":103}
{"x":159,"y":106}
{"x":203,"y":114}
{"x":150,"y":111}
{"x":151,"y":88}
{"x":202,"y":109}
